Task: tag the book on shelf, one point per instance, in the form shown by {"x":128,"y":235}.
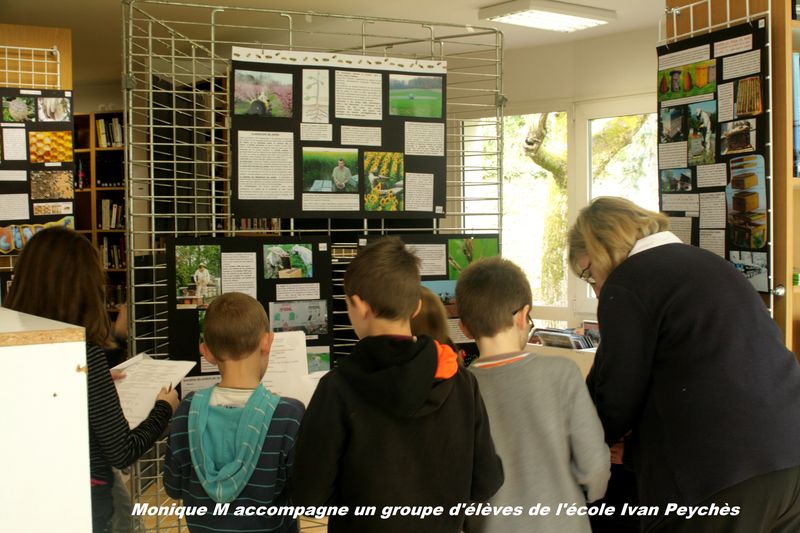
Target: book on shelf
{"x":102,"y":139}
{"x":116,"y":130}
{"x":105,"y":213}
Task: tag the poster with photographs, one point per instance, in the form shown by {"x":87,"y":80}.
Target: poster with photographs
{"x":713,"y":143}
{"x":334,"y":135}
{"x":289,"y":276}
{"x":442,"y":258}
{"x":36,"y":164}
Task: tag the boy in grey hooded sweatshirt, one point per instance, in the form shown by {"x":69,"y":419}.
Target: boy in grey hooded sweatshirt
{"x":231,"y":443}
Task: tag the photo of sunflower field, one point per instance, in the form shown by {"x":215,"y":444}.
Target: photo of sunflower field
{"x":384,"y":181}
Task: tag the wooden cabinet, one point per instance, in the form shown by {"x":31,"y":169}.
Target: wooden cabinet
{"x":100,"y":194}
{"x":785,"y":37}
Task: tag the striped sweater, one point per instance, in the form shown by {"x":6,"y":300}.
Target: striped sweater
{"x":266,"y":486}
{"x":111,"y":441}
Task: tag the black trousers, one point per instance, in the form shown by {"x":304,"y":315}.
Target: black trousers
{"x":769,"y":503}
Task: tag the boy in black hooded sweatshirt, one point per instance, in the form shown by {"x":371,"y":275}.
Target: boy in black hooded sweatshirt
{"x":398,"y":422}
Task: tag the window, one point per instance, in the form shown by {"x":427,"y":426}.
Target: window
{"x":552,"y":167}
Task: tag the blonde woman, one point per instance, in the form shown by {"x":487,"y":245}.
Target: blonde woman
{"x":691,"y":367}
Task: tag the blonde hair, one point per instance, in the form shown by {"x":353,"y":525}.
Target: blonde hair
{"x":606,"y":231}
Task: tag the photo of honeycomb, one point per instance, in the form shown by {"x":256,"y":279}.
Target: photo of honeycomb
{"x":51,"y":184}
{"x":50,"y":146}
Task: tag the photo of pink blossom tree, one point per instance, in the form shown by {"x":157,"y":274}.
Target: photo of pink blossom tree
{"x":262,"y":94}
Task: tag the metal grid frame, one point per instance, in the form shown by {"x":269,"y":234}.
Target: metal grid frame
{"x":177,"y":60}
{"x":728,"y":21}
{"x":32,"y":68}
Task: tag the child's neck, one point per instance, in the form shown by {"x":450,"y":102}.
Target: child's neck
{"x":242,"y":373}
{"x":505,"y":342}
{"x":382,"y":326}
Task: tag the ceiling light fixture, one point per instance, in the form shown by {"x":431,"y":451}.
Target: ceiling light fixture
{"x":547,"y":15}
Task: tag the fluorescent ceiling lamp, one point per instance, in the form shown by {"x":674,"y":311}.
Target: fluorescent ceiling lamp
{"x":547,"y":15}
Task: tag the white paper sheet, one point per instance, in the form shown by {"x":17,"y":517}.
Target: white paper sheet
{"x":741,"y":65}
{"x":712,"y":175}
{"x":712,"y":210}
{"x":724,"y":102}
{"x":239,"y":273}
{"x":361,"y":136}
{"x":266,"y":165}
{"x":689,"y":203}
{"x":316,"y":132}
{"x":713,"y":240}
{"x":14,"y":144}
{"x":358,"y":95}
{"x":684,"y":57}
{"x":419,"y":191}
{"x":687,"y":100}
{"x":196,"y":383}
{"x":316,"y":95}
{"x":682,"y":228}
{"x":330,"y":202}
{"x":432,"y":258}
{"x":733,"y":46}
{"x":13,"y":175}
{"x":143,"y":380}
{"x":52,"y":208}
{"x":672,"y":155}
{"x":424,"y":138}
{"x":297,"y":291}
{"x":287,"y":373}
{"x":14,"y":207}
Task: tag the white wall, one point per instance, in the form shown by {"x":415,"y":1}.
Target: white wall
{"x":623,"y":64}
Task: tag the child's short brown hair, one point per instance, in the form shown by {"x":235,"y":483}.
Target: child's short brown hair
{"x":488,"y":293}
{"x":386,"y":276}
{"x":234,"y":325}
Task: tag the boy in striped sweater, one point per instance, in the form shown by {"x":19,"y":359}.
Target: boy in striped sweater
{"x":231,"y":443}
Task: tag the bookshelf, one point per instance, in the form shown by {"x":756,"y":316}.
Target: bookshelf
{"x":100,"y":194}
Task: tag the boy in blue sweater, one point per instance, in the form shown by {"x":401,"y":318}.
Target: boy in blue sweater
{"x":231,"y":443}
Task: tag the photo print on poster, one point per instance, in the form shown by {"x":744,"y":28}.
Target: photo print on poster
{"x":197,"y":275}
{"x":702,"y":122}
{"x":462,"y":252}
{"x":286,"y":261}
{"x":308,"y":316}
{"x":673,"y":124}
{"x":445,"y":289}
{"x":50,"y":146}
{"x":319,"y":358}
{"x":415,"y":96}
{"x":316,"y":95}
{"x":746,"y":197}
{"x":753,"y":265}
{"x":51,"y":185}
{"x":19,"y":109}
{"x":384,"y":183}
{"x":688,"y":80}
{"x":676,"y":180}
{"x":53,"y":109}
{"x":748,"y":97}
{"x":738,"y":137}
{"x":330,"y":170}
{"x":262,"y":94}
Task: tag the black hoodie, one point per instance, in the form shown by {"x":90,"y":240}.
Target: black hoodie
{"x":383,"y":430}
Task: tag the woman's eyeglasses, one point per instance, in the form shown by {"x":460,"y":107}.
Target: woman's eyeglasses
{"x":586,"y":275}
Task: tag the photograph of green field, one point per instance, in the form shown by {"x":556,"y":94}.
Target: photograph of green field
{"x":462,"y":252}
{"x":415,"y":96}
{"x":384,"y":185}
{"x":322,"y":171}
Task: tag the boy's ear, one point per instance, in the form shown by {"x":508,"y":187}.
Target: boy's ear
{"x":207,"y":354}
{"x":464,"y":330}
{"x":358,"y":305}
{"x":418,"y":309}
{"x":266,"y":342}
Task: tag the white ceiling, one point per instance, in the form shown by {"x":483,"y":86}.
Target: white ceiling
{"x":97,"y":28}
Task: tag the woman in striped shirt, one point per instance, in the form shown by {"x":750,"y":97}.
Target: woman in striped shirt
{"x":59,"y":276}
